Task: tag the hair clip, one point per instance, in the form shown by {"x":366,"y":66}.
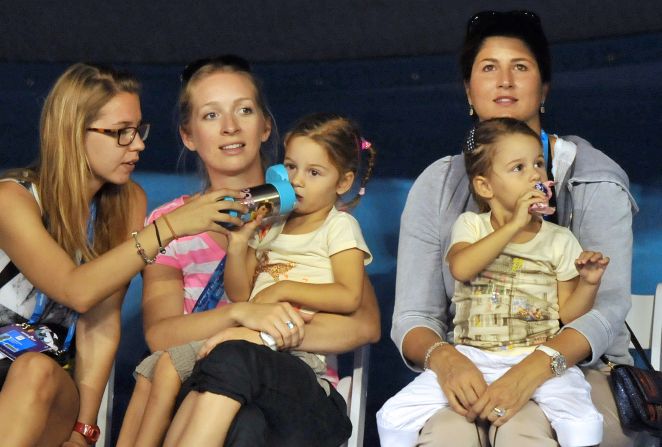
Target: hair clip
{"x":470,"y":144}
{"x":362,"y":191}
{"x":365,"y":144}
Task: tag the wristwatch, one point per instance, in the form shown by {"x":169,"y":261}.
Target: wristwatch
{"x":557,"y":363}
{"x":90,"y":432}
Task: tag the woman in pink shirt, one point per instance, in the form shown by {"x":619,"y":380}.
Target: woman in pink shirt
{"x":225,"y":120}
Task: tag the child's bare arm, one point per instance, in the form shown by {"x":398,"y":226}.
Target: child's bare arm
{"x":576,"y":297}
{"x":341,"y":296}
{"x":466,"y":260}
{"x":240,"y":263}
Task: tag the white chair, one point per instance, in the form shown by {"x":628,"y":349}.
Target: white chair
{"x":354,"y":389}
{"x":645,"y":319}
{"x":104,"y":420}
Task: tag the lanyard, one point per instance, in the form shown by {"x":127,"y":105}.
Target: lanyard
{"x":213,"y":291}
{"x":544,"y":140}
{"x":40,"y":306}
{"x":41,"y":300}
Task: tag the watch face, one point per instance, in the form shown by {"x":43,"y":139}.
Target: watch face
{"x":558,"y":364}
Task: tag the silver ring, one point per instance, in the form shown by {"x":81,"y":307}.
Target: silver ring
{"x":289,"y":324}
{"x":500,"y":412}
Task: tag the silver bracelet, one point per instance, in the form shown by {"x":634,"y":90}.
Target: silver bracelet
{"x":428,"y":353}
{"x":141,"y":251}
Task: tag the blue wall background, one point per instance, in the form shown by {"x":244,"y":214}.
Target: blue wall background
{"x":413,"y":109}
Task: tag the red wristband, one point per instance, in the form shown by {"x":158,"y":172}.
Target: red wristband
{"x":90,"y":432}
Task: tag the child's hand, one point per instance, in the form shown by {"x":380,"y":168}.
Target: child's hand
{"x":233,"y":333}
{"x":241,"y":235}
{"x":270,"y":295}
{"x":591,"y":265}
{"x":522,"y":214}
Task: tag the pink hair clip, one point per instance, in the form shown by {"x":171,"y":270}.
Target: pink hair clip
{"x":365,"y":144}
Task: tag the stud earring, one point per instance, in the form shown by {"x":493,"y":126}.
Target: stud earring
{"x":471,"y":110}
{"x":542,"y":107}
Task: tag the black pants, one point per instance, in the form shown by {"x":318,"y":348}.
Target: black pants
{"x":282,"y":402}
{"x":5,"y":364}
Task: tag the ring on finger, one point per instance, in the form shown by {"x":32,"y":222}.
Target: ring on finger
{"x":289,"y":324}
{"x":500,"y":412}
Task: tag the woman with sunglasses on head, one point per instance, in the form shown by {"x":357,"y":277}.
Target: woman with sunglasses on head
{"x":69,"y":247}
{"x":506,"y":68}
{"x":224,"y":118}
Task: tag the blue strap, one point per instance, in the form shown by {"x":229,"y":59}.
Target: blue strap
{"x":40,"y":306}
{"x":544,"y":140}
{"x":41,"y":300}
{"x":213,"y":291}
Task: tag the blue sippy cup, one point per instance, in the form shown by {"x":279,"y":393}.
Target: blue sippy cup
{"x":274,"y":198}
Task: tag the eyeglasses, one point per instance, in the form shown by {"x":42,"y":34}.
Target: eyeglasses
{"x":485,"y":18}
{"x":125,"y":135}
{"x":230,"y":60}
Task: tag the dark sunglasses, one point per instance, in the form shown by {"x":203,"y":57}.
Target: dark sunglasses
{"x":487,"y":18}
{"x":229,"y":60}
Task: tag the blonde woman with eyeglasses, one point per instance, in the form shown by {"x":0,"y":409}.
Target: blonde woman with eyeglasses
{"x":71,"y":239}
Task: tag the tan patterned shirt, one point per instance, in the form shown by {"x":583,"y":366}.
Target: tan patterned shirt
{"x":513,"y":302}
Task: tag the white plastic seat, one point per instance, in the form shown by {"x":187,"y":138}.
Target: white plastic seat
{"x":354,"y":389}
{"x":104,"y":420}
{"x":645,"y":319}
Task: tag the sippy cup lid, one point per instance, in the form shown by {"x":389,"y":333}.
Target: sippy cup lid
{"x":277,"y":176}
{"x":543,"y":208}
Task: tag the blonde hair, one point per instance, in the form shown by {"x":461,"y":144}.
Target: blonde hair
{"x":62,"y":173}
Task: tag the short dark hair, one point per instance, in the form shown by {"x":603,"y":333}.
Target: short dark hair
{"x":522,"y":25}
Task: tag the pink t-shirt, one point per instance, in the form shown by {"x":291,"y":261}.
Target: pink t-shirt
{"x":196,"y":256}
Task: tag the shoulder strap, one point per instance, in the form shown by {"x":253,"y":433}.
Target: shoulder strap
{"x":213,"y":291}
{"x":10,"y":271}
{"x":637,"y":346}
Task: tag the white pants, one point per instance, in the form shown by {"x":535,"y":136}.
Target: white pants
{"x":565,"y":400}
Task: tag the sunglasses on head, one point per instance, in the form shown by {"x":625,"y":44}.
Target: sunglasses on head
{"x":486,"y":18}
{"x":229,"y":60}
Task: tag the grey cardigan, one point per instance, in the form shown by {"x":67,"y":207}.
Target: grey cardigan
{"x":593,"y":201}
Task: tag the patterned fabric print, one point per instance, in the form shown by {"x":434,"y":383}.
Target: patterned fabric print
{"x":275,"y":270}
{"x":512,"y":303}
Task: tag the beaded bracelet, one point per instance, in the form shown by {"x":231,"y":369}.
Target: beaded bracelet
{"x":165,"y":219}
{"x":141,"y":251}
{"x":158,"y":238}
{"x":428,"y":353}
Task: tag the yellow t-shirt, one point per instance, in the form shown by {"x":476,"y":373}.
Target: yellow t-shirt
{"x":307,"y":257}
{"x":513,"y":302}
